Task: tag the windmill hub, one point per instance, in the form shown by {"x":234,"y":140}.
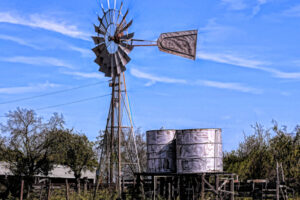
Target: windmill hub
{"x":110,"y":39}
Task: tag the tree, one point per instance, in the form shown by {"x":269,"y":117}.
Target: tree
{"x":285,"y":147}
{"x":27,"y":148}
{"x":141,"y":149}
{"x":2,"y":149}
{"x":75,"y":151}
{"x":257,"y":155}
{"x":252,"y":159}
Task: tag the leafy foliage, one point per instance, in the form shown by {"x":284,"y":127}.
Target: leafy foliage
{"x":32,"y":146}
{"x":75,"y":151}
{"x":27,"y":146}
{"x":256,"y":157}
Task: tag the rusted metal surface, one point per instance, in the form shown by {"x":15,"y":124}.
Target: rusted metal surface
{"x":161,"y":151}
{"x":199,"y":150}
{"x":183,"y":43}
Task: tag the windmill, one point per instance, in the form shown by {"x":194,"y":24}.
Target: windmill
{"x":113,"y":44}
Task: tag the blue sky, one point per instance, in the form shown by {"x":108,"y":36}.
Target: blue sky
{"x":247,"y":68}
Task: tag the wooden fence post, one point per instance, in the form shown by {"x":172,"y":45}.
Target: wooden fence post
{"x":67,"y":190}
{"x":154,"y":187}
{"x":49,"y":190}
{"x":217,"y":182}
{"x":22,"y":189}
{"x":232,"y":187}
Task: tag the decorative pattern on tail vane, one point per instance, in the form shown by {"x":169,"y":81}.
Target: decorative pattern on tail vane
{"x":182,"y":43}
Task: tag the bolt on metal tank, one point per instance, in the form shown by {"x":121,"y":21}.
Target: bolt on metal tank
{"x":161,"y":151}
{"x":199,"y":150}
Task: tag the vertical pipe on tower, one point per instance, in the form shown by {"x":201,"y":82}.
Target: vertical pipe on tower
{"x":112,"y":120}
{"x":119,"y":136}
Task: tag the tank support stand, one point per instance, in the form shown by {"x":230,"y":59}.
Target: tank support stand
{"x":170,"y":186}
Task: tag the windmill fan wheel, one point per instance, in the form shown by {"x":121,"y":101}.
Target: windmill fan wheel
{"x":113,"y":42}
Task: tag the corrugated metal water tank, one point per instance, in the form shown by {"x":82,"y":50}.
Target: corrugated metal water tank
{"x":161,"y":151}
{"x":199,"y":150}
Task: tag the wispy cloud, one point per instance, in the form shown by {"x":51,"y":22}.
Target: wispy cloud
{"x":245,"y":5}
{"x":28,"y":89}
{"x":40,"y":45}
{"x":44,"y":22}
{"x":18,"y":41}
{"x":82,"y":51}
{"x":215,"y":33}
{"x":84,"y":75}
{"x":235,"y":4}
{"x":214,"y":84}
{"x":239,"y":61}
{"x":230,"y":86}
{"x":258,"y":6}
{"x":41,"y":61}
{"x":292,"y":11}
{"x":154,"y":79}
{"x":231,"y":59}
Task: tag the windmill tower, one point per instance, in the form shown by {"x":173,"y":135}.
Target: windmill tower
{"x":113,"y":45}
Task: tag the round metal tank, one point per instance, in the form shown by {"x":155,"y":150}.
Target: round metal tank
{"x":199,"y":150}
{"x":161,"y":151}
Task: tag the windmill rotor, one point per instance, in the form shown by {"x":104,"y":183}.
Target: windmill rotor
{"x":112,"y":42}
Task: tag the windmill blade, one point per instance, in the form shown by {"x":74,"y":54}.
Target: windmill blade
{"x":102,"y":8}
{"x":118,"y":66}
{"x":126,"y":27}
{"x":101,"y":59}
{"x":98,"y":30}
{"x":106,"y":64}
{"x":182,"y":43}
{"x":120,"y":60}
{"x":128,"y":47}
{"x":99,"y":49}
{"x":127,"y":37}
{"x":124,"y":58}
{"x":101,"y":23}
{"x":123,"y":20}
{"x":102,"y":69}
{"x":124,"y":54}
{"x":104,"y":20}
{"x":98,"y":40}
{"x":119,"y":14}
